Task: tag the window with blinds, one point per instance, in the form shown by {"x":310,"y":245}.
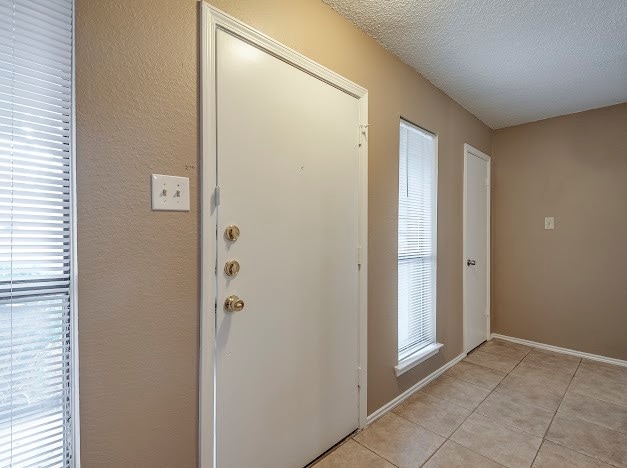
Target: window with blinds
{"x":417,"y":224}
{"x":36,"y":323}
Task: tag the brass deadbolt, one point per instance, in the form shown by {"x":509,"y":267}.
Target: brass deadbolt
{"x":231,"y":268}
{"x":231,"y":233}
{"x":233,"y":304}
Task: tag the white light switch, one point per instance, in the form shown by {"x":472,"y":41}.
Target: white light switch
{"x":549,"y":222}
{"x":170,"y":193}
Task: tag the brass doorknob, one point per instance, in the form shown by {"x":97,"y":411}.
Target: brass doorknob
{"x":231,"y":268}
{"x":231,"y":233}
{"x":233,"y":304}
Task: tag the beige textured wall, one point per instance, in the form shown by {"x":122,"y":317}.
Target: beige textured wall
{"x":137,"y":113}
{"x":137,"y":101}
{"x":566,"y":287}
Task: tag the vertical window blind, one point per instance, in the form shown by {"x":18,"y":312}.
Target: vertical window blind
{"x":417,"y":224}
{"x":36,"y":374}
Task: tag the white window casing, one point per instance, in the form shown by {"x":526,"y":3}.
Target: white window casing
{"x":417,"y":249}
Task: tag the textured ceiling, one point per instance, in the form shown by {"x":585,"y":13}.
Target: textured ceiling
{"x":507,"y":61}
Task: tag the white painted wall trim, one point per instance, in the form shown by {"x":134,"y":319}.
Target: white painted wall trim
{"x":474,"y":151}
{"x":409,"y":392}
{"x":557,"y":349}
{"x":416,"y":358}
{"x":213,"y":19}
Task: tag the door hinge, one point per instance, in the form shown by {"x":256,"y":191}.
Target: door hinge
{"x":359,"y":256}
{"x":359,"y":377}
{"x":216,"y":196}
{"x":363,"y":129}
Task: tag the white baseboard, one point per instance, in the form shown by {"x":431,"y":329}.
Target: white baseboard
{"x":407,"y":393}
{"x":557,"y":349}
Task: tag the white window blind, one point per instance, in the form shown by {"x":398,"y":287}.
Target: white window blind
{"x":417,"y":223}
{"x":35,"y":233}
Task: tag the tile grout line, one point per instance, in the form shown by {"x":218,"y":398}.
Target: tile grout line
{"x":562,"y":400}
{"x":332,"y":450}
{"x":594,"y":397}
{"x":486,"y":397}
{"x":602,"y":400}
{"x":555,"y":413}
{"x":431,"y":456}
{"x":523,"y":399}
{"x":469,"y":415}
{"x":583,"y":454}
{"x":498,"y":422}
{"x":473,"y":411}
{"x":515,"y":428}
{"x":573,"y":416}
{"x":448,"y":438}
{"x":527,"y":402}
{"x":419,"y":425}
{"x":464,"y":447}
{"x":427,"y":429}
{"x":456,"y":427}
{"x":440,"y":398}
{"x":500,"y":356}
{"x":580,"y":419}
{"x":543,"y":438}
{"x":478,"y":348}
{"x":478,"y":365}
{"x":379,"y":456}
{"x":460,"y":380}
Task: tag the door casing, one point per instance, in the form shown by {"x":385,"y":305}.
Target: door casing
{"x":213,"y":19}
{"x":468,"y":150}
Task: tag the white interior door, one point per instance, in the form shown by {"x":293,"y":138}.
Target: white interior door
{"x":288,"y":175}
{"x":476,"y":248}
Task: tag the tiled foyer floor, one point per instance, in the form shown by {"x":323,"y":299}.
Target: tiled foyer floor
{"x":504,"y":405}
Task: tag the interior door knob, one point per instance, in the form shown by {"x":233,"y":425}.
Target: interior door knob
{"x":233,"y":304}
{"x":471,"y":262}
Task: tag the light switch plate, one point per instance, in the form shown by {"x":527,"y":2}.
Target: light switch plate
{"x":170,"y":193}
{"x":549,"y":222}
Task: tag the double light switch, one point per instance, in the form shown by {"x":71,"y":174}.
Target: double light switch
{"x":170,"y":193}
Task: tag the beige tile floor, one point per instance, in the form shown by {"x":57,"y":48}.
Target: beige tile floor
{"x":504,"y":405}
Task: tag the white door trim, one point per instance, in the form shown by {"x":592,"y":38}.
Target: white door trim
{"x":211,"y":21}
{"x":475,"y":152}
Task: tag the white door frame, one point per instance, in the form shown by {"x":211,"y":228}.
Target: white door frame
{"x":212,"y":21}
{"x":475,"y":152}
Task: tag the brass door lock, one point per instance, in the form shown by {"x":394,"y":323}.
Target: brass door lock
{"x":231,"y":233}
{"x":231,"y":268}
{"x":233,"y":304}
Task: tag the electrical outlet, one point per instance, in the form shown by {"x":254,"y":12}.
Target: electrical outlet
{"x":549,"y":222}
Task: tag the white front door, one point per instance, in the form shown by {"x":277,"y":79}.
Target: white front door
{"x":287,"y":171}
{"x":476,"y":248}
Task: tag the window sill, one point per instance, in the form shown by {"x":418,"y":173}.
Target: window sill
{"x":414,"y":359}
